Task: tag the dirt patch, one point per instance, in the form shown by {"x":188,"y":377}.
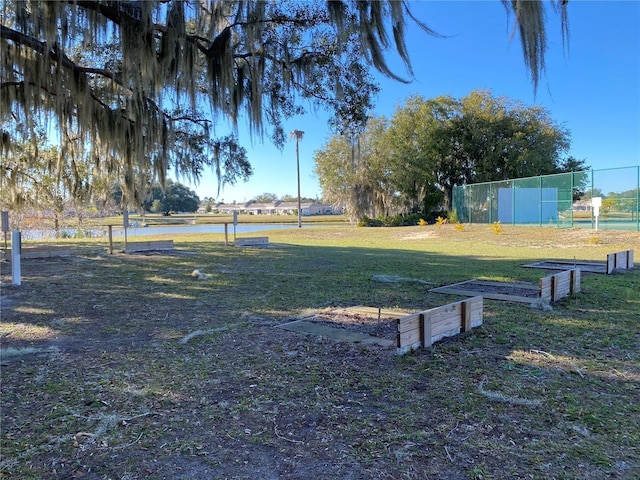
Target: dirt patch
{"x":359,"y":323}
{"x":418,"y":235}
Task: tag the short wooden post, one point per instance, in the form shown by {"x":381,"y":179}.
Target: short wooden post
{"x":226,"y":234}
{"x":425,"y":330}
{"x":575,"y":280}
{"x":465,"y":324}
{"x":611,"y":263}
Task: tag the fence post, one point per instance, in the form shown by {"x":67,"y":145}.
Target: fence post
{"x":540,"y":200}
{"x":110,"y":239}
{"x":16,"y":250}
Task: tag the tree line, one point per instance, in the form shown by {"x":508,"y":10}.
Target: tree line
{"x":410,"y":162}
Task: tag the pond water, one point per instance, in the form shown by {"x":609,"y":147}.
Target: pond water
{"x":163,"y":230}
{"x":240,"y":228}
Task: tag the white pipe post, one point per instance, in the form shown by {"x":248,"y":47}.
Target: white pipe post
{"x":596,"y":203}
{"x":15,"y":257}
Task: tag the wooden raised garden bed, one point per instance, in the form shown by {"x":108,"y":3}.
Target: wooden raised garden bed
{"x":559,"y":285}
{"x":391,"y":327}
{"x":148,"y":246}
{"x":251,"y":241}
{"x":424,"y":328}
{"x":42,"y":251}
{"x":618,"y":261}
{"x":549,"y":289}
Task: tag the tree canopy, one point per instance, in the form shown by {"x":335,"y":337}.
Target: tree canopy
{"x":137,"y":88}
{"x":411,"y":162}
{"x":174,"y":197}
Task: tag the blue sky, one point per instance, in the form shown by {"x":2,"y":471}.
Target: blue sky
{"x":592,"y":88}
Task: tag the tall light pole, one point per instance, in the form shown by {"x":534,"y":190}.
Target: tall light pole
{"x":298,"y":134}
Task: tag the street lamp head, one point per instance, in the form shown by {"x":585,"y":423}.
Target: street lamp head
{"x":297,"y":134}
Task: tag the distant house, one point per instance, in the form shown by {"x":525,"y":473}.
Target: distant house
{"x":261,"y":208}
{"x":326,"y":209}
{"x":307,"y":208}
{"x":287,"y":208}
{"x":316,"y":208}
{"x":278,"y":208}
{"x":229,"y":208}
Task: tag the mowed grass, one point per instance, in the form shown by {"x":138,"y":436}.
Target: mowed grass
{"x":98,"y":382}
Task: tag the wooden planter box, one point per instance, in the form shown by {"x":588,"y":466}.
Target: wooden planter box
{"x":620,"y":261}
{"x":42,"y":251}
{"x":251,"y":241}
{"x":149,"y":245}
{"x":559,"y":285}
{"x":424,"y":328}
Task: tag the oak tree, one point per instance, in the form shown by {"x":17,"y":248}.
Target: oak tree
{"x":141,"y":84}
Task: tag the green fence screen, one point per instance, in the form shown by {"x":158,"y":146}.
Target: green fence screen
{"x":562,"y":200}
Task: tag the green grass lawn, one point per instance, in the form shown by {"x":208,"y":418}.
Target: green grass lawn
{"x":99,"y":382}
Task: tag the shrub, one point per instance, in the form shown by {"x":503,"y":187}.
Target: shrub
{"x":369,"y":222}
{"x":394,"y":221}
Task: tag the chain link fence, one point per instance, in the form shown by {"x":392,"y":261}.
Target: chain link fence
{"x":562,"y":200}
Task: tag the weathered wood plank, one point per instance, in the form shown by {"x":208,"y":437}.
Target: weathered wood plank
{"x":576,"y":274}
{"x":611,"y":263}
{"x":559,"y":285}
{"x":429,"y":326}
{"x":409,"y":337}
{"x":465,"y":324}
{"x":620,"y":261}
{"x":148,"y":245}
{"x":562,"y":285}
{"x":546,"y":288}
{"x":467,"y":306}
{"x":446,"y":327}
{"x":45,"y":251}
{"x":385,"y":313}
{"x":426,"y":333}
{"x":409,"y":322}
